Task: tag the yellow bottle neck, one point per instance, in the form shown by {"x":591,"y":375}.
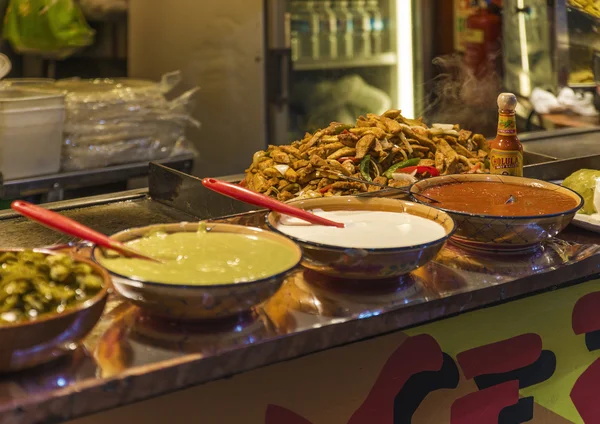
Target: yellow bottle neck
{"x":507,"y":124}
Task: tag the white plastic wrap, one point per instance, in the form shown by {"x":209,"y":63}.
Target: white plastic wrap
{"x":111,"y":122}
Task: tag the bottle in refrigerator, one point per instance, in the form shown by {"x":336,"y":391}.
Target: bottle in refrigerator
{"x":345,"y":28}
{"x":377,"y":26}
{"x":328,"y":30}
{"x":305,"y":39}
{"x":362,"y":28}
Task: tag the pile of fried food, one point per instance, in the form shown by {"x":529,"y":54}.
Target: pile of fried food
{"x":388,"y":150}
{"x":591,"y":7}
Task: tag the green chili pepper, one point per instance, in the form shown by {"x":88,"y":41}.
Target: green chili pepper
{"x":365,"y":166}
{"x":33,"y":283}
{"x":292,"y":188}
{"x":399,"y":165}
{"x":341,"y":128}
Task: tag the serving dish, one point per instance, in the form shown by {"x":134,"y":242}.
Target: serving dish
{"x":361,"y":263}
{"x":198,"y":302}
{"x":587,"y":222}
{"x":27,"y":344}
{"x":502,"y":233}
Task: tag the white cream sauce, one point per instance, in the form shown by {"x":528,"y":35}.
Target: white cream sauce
{"x":365,"y":229}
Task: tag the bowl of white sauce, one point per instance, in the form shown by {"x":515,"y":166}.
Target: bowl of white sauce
{"x":381,"y":238}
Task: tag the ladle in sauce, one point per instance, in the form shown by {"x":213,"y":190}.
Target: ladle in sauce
{"x":73,"y":228}
{"x":243,"y":194}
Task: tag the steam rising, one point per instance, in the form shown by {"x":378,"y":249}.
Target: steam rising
{"x":460,"y":97}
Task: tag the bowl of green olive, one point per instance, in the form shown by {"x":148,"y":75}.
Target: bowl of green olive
{"x":49,"y":301}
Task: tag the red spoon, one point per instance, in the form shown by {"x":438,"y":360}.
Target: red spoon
{"x":245,"y":195}
{"x":68,"y":226}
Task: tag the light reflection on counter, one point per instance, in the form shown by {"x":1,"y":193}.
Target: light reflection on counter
{"x":128,"y":342}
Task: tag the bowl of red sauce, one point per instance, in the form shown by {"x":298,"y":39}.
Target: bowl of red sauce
{"x":485,"y":217}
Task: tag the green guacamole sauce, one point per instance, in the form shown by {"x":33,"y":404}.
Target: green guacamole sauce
{"x":202,"y":258}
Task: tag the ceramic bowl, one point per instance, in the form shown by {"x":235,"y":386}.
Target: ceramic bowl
{"x":502,"y":233}
{"x":193,"y":302}
{"x":353,"y":263}
{"x":28,"y":344}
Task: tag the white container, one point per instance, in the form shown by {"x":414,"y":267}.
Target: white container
{"x":31,"y":132}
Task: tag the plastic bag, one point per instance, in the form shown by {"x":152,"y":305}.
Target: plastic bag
{"x":50,"y":28}
{"x":110,"y":122}
{"x":339,"y":101}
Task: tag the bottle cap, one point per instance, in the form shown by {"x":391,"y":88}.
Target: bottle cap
{"x":507,"y":101}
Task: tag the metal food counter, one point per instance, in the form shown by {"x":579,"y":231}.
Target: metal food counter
{"x":130,"y":357}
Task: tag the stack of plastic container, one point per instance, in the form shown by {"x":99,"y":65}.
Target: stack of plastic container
{"x":110,"y":122}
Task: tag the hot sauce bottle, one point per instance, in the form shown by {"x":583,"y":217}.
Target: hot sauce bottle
{"x":506,"y":151}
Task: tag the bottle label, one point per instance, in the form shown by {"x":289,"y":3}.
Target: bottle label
{"x":475,"y":36}
{"x":507,"y":124}
{"x":506,"y":162}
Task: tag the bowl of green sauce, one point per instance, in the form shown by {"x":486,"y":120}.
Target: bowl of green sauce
{"x":49,"y":302}
{"x":206,"y":271}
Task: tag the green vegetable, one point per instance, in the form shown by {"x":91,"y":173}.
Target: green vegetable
{"x":584,"y":183}
{"x":341,"y":128}
{"x":33,"y":284}
{"x":365,"y":166}
{"x":399,"y":165}
{"x":292,"y":188}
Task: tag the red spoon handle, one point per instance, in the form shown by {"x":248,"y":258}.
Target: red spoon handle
{"x":245,"y":195}
{"x":61,"y":223}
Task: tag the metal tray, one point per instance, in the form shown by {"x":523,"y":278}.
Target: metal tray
{"x":563,"y":144}
{"x":554,"y":155}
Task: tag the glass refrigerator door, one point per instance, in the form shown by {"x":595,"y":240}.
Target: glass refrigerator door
{"x":344,"y":61}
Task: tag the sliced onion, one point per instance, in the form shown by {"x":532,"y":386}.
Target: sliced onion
{"x":413,"y":127}
{"x":451,"y":132}
{"x":439,"y":131}
{"x":385,"y":144}
{"x":400,"y":176}
{"x":281,"y":168}
{"x":443,"y":126}
{"x":374,"y":164}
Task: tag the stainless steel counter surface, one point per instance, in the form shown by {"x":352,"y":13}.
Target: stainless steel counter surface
{"x":130,"y":357}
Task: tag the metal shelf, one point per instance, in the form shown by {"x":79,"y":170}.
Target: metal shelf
{"x":12,"y":189}
{"x":383,"y":59}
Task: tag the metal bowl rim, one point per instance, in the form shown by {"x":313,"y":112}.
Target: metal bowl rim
{"x":373,"y":250}
{"x":278,"y":276}
{"x":500,"y":217}
{"x":98,"y":297}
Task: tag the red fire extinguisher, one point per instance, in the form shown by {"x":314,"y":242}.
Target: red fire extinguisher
{"x":483,"y":41}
